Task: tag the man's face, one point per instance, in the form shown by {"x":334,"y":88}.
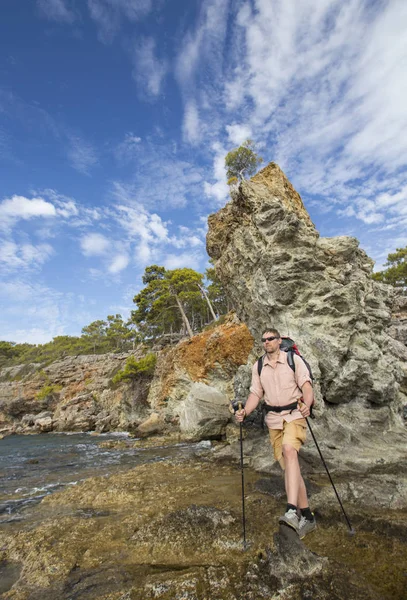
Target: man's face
{"x":270,"y":345}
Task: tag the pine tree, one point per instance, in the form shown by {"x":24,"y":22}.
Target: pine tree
{"x":396,"y":272}
{"x":242,"y":162}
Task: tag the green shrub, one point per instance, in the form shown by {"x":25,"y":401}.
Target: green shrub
{"x":134,"y":368}
{"x":48,"y":390}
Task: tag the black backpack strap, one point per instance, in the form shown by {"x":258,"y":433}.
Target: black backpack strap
{"x":290,"y":359}
{"x":291,"y":362}
{"x":260,"y":364}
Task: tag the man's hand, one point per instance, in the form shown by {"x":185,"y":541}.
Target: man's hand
{"x":304,"y":409}
{"x":240,"y":415}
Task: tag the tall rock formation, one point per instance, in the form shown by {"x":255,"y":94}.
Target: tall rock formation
{"x":279,"y":272}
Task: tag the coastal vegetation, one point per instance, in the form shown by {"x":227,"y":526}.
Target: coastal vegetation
{"x":48,"y":390}
{"x":172,"y":305}
{"x":135,"y":368}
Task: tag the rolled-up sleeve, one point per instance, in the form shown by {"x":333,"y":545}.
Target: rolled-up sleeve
{"x":256,"y":387}
{"x":301,"y":372}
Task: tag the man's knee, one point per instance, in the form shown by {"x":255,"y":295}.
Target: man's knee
{"x":289,"y":452}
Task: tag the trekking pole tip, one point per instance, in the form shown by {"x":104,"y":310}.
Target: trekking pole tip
{"x":352,"y":532}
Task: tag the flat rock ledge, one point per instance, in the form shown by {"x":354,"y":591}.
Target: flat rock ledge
{"x":173,"y":531}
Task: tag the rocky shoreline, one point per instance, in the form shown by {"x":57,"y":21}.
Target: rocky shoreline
{"x":173,"y":530}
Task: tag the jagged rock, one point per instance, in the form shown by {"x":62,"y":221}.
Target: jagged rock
{"x":204,"y":413}
{"x":291,"y":559}
{"x":279,"y":272}
{"x":82,"y":396}
{"x":398,"y":327}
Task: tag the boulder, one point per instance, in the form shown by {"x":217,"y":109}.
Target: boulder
{"x":154,"y":424}
{"x":43,"y":422}
{"x":204,"y":413}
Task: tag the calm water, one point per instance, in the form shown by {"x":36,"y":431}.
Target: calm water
{"x":34,"y":466}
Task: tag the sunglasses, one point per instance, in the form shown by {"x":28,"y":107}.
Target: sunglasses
{"x":270,"y":339}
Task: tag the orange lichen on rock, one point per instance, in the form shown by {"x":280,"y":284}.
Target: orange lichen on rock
{"x":228,"y":346}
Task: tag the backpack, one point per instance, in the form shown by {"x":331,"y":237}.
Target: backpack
{"x":287,"y":345}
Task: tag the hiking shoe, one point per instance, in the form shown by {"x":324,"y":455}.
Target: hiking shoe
{"x":291,"y":519}
{"x":306,"y":526}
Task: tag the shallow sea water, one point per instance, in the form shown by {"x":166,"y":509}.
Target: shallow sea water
{"x":34,"y":466}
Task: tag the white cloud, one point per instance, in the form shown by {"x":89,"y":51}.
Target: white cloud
{"x":238,"y":133}
{"x":187,"y":238}
{"x":119,"y":263}
{"x":56,"y":10}
{"x":109,"y":14}
{"x":81,"y":155}
{"x":191,"y":127}
{"x":94,"y":244}
{"x":158,"y":228}
{"x":140,"y":224}
{"x":65,"y":206}
{"x":204,"y":43}
{"x":218,"y":190}
{"x":199,"y":66}
{"x":19,"y":207}
{"x":23,"y":256}
{"x":176,"y":183}
{"x":143,"y":254}
{"x":149,"y":71}
{"x":185,"y":259}
{"x":35,"y":313}
{"x":128,"y":149}
{"x":319,"y":85}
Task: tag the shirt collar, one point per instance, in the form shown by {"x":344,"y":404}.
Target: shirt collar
{"x":281,"y":358}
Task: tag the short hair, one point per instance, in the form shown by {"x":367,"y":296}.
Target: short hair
{"x":272,"y":330}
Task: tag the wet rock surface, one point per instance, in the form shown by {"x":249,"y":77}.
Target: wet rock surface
{"x":174,"y":531}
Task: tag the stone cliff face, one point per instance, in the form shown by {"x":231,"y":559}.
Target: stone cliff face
{"x":74,"y":394}
{"x":279,"y":272}
{"x":190,"y":390}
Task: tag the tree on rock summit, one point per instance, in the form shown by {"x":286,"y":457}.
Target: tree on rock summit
{"x":242,"y":162}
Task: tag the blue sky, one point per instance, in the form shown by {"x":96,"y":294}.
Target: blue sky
{"x":116,"y":115}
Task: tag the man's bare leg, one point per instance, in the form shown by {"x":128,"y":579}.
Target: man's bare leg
{"x":294,"y":483}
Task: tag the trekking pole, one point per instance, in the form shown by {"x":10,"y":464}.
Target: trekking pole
{"x":242,"y":470}
{"x":351,"y":530}
{"x":238,"y":406}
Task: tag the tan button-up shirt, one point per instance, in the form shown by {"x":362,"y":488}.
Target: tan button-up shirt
{"x":280,"y":386}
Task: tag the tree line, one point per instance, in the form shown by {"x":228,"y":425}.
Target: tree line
{"x":172,"y":304}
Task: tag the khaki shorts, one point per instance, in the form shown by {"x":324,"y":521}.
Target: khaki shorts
{"x":293,"y":434}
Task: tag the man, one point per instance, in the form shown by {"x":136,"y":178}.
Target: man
{"x":288,"y":396}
